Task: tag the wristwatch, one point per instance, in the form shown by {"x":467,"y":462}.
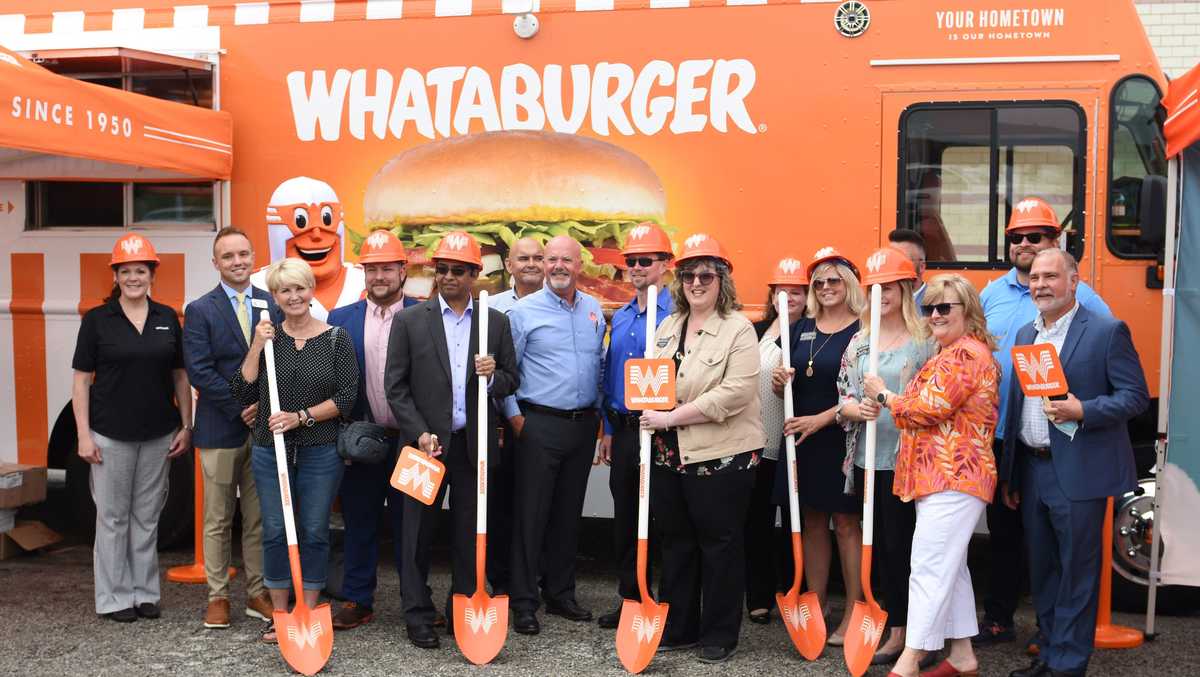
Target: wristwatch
{"x":881,"y":398}
{"x":307,"y":418}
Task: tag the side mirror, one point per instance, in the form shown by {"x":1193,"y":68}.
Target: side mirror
{"x":1152,"y":211}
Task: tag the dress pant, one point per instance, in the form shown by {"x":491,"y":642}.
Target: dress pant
{"x":129,"y":487}
{"x":766,"y":548}
{"x":895,"y":522}
{"x":420,"y":521}
{"x":365,"y":488}
{"x":623,"y":484}
{"x":1006,"y":539}
{"x":941,"y":603}
{"x":1065,"y":559}
{"x":228,"y":475}
{"x":701,"y":520}
{"x":500,"y":510}
{"x":552,"y":472}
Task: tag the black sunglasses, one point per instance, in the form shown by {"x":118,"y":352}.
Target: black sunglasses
{"x":643,"y":261}
{"x":704,"y":279}
{"x":455,"y":271}
{"x":942,"y":309}
{"x":1034,"y":237}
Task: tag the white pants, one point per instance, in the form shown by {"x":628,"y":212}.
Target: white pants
{"x":129,"y":487}
{"x":941,"y":603}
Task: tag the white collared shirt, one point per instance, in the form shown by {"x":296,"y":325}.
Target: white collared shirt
{"x":1035,"y":428}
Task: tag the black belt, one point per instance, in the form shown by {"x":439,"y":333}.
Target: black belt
{"x":569,"y":414}
{"x":1036,"y":452}
{"x":623,"y":419}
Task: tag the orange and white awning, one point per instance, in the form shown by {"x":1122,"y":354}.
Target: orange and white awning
{"x":1182,"y":126}
{"x":50,"y":122}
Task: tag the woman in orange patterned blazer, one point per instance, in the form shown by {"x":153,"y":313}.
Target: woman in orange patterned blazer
{"x":946,"y":417}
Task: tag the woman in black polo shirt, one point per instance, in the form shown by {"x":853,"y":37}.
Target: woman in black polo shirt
{"x":133,"y":411}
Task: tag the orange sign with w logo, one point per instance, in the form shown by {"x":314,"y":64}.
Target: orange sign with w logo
{"x":649,"y":384}
{"x":1039,"y":370}
{"x":418,"y":475}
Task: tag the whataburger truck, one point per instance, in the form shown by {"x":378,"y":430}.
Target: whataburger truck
{"x":776,"y":126}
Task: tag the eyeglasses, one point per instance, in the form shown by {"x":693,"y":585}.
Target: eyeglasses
{"x":704,"y":279}
{"x":643,"y":261}
{"x":942,"y":309}
{"x":453,"y":271}
{"x":1034,"y":237}
{"x":830,"y":282}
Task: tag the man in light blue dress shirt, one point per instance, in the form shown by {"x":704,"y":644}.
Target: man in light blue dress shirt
{"x":558,"y":334}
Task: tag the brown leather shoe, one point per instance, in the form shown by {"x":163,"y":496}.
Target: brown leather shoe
{"x":217,"y":615}
{"x":352,"y":615}
{"x":260,"y":607}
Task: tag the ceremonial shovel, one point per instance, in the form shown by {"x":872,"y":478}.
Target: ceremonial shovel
{"x":305,"y":635}
{"x":866,"y":623}
{"x":481,"y":621}
{"x":801,"y":613}
{"x":641,"y":626}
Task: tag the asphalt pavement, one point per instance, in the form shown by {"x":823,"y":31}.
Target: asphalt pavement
{"x":48,"y":627}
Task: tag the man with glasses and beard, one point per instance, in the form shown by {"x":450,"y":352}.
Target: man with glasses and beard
{"x":558,"y":333}
{"x":1008,"y":306}
{"x":647,"y":255}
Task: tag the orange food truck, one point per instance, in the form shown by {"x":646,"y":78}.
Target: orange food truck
{"x":778,"y":126}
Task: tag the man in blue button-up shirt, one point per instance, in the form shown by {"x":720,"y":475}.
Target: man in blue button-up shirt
{"x":647,"y":255}
{"x":1008,"y":307}
{"x":558,"y":333}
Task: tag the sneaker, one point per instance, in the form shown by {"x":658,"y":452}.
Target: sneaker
{"x":217,"y":615}
{"x":352,"y":615}
{"x":992,"y":632}
{"x":260,"y":607}
{"x":715,"y":654}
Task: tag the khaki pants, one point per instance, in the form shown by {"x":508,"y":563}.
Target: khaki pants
{"x":225,"y":472}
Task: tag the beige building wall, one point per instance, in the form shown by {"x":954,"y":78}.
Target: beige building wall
{"x":1174,"y":30}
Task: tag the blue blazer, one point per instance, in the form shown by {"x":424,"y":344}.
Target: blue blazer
{"x":353,"y":318}
{"x":1103,"y":371}
{"x":213,"y":348}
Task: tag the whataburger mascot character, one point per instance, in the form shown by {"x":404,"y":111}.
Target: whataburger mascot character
{"x":305,"y":221}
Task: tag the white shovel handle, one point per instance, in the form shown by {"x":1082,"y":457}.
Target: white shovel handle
{"x":281,"y":465}
{"x":481,"y":420}
{"x":789,"y":441}
{"x":872,"y":368}
{"x":643,"y":528}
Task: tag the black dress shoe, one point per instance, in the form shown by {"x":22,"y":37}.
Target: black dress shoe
{"x":569,"y":610}
{"x":147,"y":610}
{"x":423,"y":636}
{"x":526,"y":623}
{"x":612,"y":619}
{"x":122,"y":616}
{"x":1037,"y":668}
{"x":715,"y":654}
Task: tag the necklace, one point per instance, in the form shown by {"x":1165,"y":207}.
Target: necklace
{"x":809,"y":371}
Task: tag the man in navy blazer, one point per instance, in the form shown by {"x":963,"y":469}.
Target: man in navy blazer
{"x":365,"y":487}
{"x":1064,"y":457}
{"x":216,"y":330}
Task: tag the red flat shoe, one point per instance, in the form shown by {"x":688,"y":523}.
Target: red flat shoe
{"x":945,"y":669}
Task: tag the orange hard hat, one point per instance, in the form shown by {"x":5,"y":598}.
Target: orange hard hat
{"x":133,"y":247}
{"x":827,"y":255}
{"x":889,"y":265}
{"x":703,"y":245}
{"x":1033,"y":212}
{"x":647,"y":238}
{"x":790,"y":272}
{"x":458,"y":245}
{"x":382,"y":246}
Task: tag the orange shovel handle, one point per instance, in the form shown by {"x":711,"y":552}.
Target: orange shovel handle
{"x":642,"y":557}
{"x":480,"y":562}
{"x":798,"y":558}
{"x":297,"y":577}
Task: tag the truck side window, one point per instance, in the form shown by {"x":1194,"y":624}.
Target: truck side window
{"x":1137,"y":170}
{"x":964,"y":166}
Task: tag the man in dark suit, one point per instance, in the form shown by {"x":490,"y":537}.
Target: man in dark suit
{"x":1064,"y":457}
{"x":433,"y":361}
{"x":216,"y":332}
{"x":365,"y":486}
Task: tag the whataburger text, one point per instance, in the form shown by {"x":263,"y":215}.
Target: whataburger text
{"x":683,"y":98}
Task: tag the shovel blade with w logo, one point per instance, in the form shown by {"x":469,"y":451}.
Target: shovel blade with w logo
{"x":641,"y":626}
{"x":480,"y":620}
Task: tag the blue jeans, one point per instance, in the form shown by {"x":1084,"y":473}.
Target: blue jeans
{"x":314,"y":479}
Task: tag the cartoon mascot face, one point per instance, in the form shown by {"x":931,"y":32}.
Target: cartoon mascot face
{"x":305,"y":220}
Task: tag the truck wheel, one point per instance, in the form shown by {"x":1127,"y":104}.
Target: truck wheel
{"x":1133,"y":527}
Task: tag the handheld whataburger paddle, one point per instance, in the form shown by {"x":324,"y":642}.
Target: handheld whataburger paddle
{"x":866,"y":623}
{"x":641,"y":626}
{"x":801,"y":614}
{"x":305,"y":635}
{"x":481,"y":621}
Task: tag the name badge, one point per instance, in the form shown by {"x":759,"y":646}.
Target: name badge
{"x":808,"y":335}
{"x":163,"y":328}
{"x":258,"y":303}
{"x":662,"y":342}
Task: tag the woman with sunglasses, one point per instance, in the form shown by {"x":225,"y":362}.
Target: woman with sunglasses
{"x":835,"y":300}
{"x":705,"y":453}
{"x":946,"y":417}
{"x":903,"y":349}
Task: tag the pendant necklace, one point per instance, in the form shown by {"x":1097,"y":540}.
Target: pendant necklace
{"x":809,"y":371}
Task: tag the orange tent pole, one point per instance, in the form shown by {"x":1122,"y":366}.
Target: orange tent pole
{"x":1109,"y":636}
{"x":194,"y":572}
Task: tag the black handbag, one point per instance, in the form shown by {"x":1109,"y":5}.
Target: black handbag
{"x":363,"y":442}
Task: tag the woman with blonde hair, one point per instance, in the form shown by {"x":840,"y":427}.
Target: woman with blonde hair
{"x":903,"y":348}
{"x":835,"y":300}
{"x":317,"y":376}
{"x":947,"y":417}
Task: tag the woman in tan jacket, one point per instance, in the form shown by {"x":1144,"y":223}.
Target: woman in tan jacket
{"x":705,"y":452}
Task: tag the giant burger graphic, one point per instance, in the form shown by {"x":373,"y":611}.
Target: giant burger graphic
{"x":502,"y":186}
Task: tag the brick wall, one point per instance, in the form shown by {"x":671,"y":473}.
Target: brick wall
{"x":1174,"y":30}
